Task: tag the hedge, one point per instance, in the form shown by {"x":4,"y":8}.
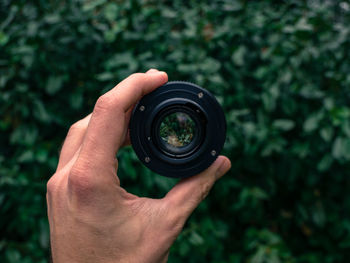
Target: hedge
{"x":280,"y":69}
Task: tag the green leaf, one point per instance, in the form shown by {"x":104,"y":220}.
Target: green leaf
{"x":40,"y":111}
{"x":26,"y":156}
{"x":238,"y":56}
{"x":196,"y":239}
{"x":312,"y":122}
{"x":303,"y":25}
{"x":325,"y":163}
{"x":92,"y":4}
{"x":105,"y":76}
{"x":337,"y":150}
{"x":327,"y":133}
{"x":111,"y":11}
{"x":341,"y":148}
{"x":54,"y":84}
{"x":210,"y":65}
{"x":3,"y":39}
{"x":283,"y":124}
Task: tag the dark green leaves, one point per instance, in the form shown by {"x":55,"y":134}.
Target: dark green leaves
{"x":279,"y":69}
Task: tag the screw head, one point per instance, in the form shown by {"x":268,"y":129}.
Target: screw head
{"x":200,"y":95}
{"x":142,"y":108}
{"x":147,"y":159}
{"x":213,"y":152}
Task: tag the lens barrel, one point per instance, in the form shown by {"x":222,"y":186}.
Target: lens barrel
{"x":178,"y":130}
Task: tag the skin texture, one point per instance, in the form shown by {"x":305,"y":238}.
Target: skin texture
{"x":92,"y":218}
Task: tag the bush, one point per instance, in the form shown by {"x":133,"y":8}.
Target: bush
{"x":280,"y":69}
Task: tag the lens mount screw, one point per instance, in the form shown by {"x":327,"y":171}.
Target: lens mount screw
{"x":142,"y":108}
{"x":200,"y":95}
{"x":213,"y":152}
{"x":147,"y":159}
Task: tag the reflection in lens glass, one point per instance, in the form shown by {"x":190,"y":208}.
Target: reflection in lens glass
{"x":177,"y":129}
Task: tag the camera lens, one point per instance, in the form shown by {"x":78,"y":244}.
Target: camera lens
{"x":178,"y":130}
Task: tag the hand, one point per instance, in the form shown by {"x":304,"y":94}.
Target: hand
{"x":92,"y":218}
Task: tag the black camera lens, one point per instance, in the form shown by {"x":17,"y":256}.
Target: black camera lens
{"x":178,"y":130}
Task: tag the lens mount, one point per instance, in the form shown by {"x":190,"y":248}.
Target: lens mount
{"x":178,"y":130}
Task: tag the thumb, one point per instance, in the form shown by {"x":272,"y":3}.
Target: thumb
{"x":185,"y":196}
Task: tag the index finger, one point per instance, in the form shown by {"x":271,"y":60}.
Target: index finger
{"x":108,"y":125}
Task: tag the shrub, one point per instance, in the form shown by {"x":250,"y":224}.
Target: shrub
{"x":280,"y":69}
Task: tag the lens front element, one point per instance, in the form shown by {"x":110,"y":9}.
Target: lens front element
{"x":177,"y":129}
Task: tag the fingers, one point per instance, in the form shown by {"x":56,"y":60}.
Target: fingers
{"x":188,"y":193}
{"x":128,"y":114}
{"x":107,"y":129}
{"x":130,"y":90}
{"x":73,"y":141}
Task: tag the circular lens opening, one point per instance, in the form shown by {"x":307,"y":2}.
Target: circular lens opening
{"x":177,"y":130}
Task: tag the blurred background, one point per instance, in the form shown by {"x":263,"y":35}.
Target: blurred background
{"x":280,"y":69}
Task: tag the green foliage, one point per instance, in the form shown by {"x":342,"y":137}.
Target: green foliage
{"x":280,"y":69}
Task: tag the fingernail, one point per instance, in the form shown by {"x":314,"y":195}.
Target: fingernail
{"x":162,"y":75}
{"x":152,"y":70}
{"x":224,"y":166}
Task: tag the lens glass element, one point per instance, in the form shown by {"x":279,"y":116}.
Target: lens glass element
{"x":177,"y":129}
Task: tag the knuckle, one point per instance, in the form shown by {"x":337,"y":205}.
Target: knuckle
{"x":205,"y":189}
{"x":51,"y":185}
{"x":106,"y":102}
{"x":137,"y":79}
{"x":137,"y":76}
{"x":78,"y":169}
{"x":79,"y":179}
{"x":76,"y":126}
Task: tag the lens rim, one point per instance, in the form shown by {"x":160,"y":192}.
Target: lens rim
{"x":187,"y":95}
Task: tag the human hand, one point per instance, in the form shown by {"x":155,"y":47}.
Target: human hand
{"x":92,"y":218}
